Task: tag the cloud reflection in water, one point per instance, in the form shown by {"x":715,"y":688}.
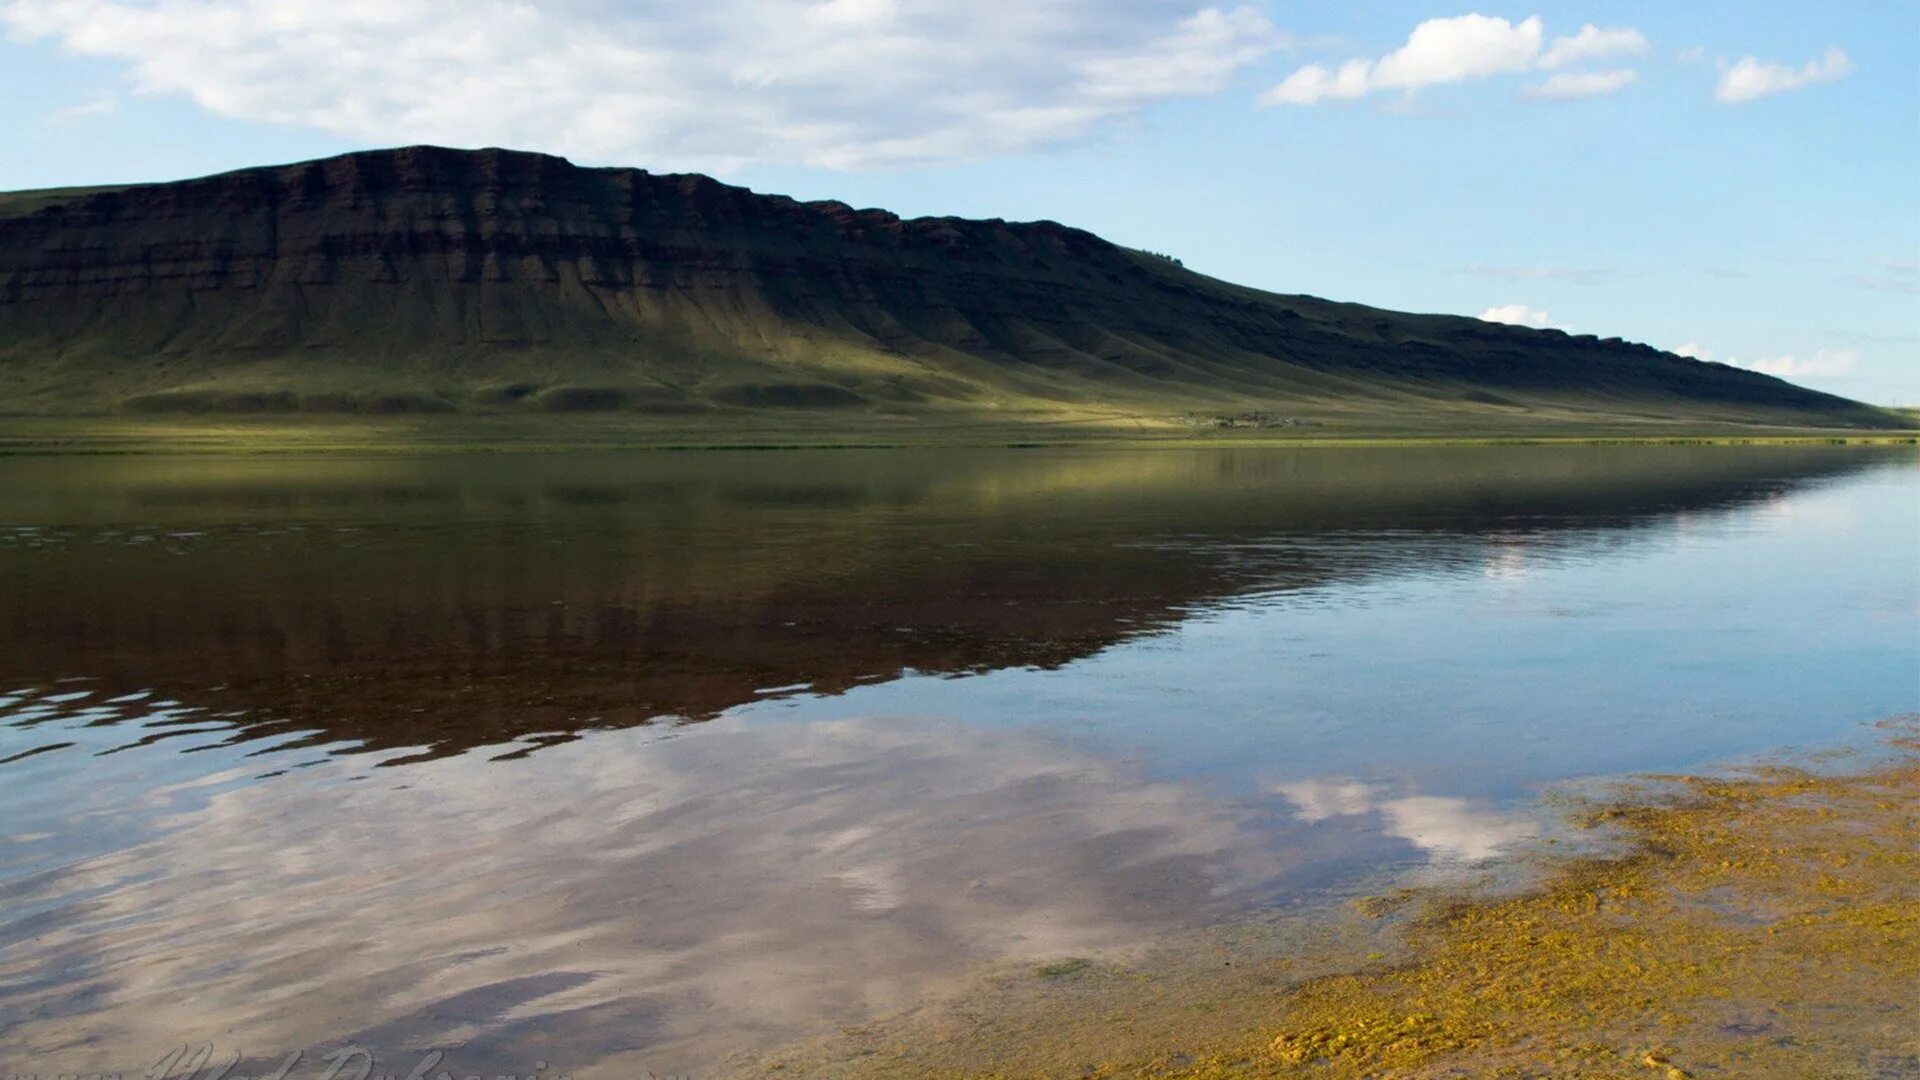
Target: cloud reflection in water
{"x":670,"y":898}
{"x":1447,"y":829}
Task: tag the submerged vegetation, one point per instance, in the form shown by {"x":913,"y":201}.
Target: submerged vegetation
{"x":1762,"y":923}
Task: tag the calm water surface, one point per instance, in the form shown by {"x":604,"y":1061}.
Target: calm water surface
{"x":630,"y":762}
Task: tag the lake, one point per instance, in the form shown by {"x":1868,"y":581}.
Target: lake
{"x":602,"y":763}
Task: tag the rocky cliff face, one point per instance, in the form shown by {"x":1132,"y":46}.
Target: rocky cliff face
{"x":436,"y":279}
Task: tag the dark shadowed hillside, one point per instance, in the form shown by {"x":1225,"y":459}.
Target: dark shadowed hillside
{"x":433,"y":280}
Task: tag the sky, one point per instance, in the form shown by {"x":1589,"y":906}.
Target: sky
{"x":1735,"y":181}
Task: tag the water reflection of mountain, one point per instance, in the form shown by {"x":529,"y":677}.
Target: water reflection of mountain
{"x":458,"y":602}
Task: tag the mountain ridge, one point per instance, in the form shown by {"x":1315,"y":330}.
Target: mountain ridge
{"x":424,"y":279}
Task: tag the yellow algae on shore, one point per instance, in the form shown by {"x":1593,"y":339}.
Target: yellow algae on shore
{"x":1764,"y":923}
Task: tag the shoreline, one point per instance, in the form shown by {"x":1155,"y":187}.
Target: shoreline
{"x":40,"y":436}
{"x":1761,"y":920}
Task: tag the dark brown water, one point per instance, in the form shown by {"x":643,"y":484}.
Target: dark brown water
{"x":626,"y":762}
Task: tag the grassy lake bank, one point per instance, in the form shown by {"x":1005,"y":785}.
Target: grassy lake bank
{"x":818,"y":430}
{"x":1760,"y":922}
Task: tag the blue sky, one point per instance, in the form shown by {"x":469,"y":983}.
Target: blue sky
{"x":1736,"y":179}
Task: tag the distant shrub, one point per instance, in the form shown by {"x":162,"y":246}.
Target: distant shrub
{"x":1164,"y":255}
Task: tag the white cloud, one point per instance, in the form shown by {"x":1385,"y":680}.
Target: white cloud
{"x":100,"y":106}
{"x":856,"y":12}
{"x":840,"y":83}
{"x":1753,"y":78}
{"x":1594,"y":43}
{"x":1824,"y":363}
{"x":1517,"y":315}
{"x":1579,"y":84}
{"x":1449,"y":50}
{"x":1455,"y":49}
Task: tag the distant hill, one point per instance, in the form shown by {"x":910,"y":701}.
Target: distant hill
{"x":491,"y":281}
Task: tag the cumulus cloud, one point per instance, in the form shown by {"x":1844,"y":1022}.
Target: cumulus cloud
{"x":1456,"y":49}
{"x":1594,"y":43}
{"x":1824,"y":363}
{"x":845,"y":84}
{"x":1754,"y":78}
{"x":1579,"y":84}
{"x":1517,"y":315}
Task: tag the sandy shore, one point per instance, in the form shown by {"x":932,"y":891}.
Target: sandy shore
{"x":1760,"y":923}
